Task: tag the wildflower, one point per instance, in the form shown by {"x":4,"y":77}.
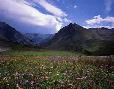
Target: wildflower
{"x":32,"y":83}
{"x":81,"y":78}
{"x":4,"y":78}
{"x":51,"y":67}
{"x":31,"y":74}
{"x":64,"y":74}
{"x":46,"y":77}
{"x":57,"y":74}
{"x":90,"y":83}
{"x":17,"y":85}
{"x":71,"y":84}
{"x":26,"y":82}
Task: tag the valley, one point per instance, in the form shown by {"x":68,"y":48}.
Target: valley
{"x":73,"y":58}
{"x":56,"y":44}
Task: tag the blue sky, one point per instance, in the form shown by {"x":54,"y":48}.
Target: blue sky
{"x":48,"y":16}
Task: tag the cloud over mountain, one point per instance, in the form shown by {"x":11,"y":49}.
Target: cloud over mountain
{"x":98,"y":20}
{"x":22,"y":11}
{"x":48,"y":16}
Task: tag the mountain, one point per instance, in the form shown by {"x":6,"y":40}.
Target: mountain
{"x":9,"y":34}
{"x":39,"y":39}
{"x":93,"y":41}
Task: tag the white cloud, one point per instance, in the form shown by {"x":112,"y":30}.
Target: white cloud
{"x":51,"y":8}
{"x":97,"y":21}
{"x":67,"y":20}
{"x":108,"y":5}
{"x":94,"y":20}
{"x":22,"y":11}
{"x":75,"y":6}
{"x":98,"y":26}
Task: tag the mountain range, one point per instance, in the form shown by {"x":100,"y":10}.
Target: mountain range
{"x":92,"y":41}
{"x":9,"y":34}
{"x":39,"y":39}
{"x":97,"y":41}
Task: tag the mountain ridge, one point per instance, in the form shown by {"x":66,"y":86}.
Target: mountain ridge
{"x":91,"y":41}
{"x":10,"y":34}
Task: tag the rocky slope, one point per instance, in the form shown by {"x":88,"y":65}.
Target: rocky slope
{"x":97,"y":41}
{"x":39,"y":39}
{"x":9,"y":34}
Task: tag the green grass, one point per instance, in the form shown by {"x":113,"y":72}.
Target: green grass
{"x":22,"y":71}
{"x":40,"y":53}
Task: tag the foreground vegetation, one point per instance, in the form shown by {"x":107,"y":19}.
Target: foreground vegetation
{"x":39,"y":53}
{"x":39,"y":71}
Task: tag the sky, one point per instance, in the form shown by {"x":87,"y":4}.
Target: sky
{"x":49,"y":16}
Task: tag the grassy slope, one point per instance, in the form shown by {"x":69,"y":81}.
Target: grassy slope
{"x":40,"y":53}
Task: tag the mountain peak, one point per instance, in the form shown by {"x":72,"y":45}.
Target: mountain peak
{"x":76,"y":38}
{"x":71,"y":28}
{"x":74,"y":25}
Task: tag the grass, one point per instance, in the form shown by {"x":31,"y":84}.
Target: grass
{"x":40,"y":53}
{"x":47,"y":70}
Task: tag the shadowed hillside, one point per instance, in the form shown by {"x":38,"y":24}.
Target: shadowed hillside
{"x":97,"y":41}
{"x":9,"y":34}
